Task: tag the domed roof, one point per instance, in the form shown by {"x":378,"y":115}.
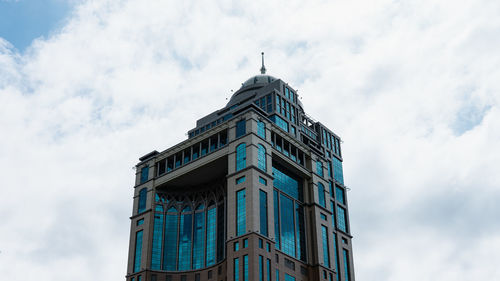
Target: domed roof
{"x":259,"y":79}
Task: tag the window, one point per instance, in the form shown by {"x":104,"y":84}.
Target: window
{"x":240,"y":128}
{"x":199,"y":237}
{"x":240,"y":212}
{"x":236,"y":269}
{"x":261,"y":243}
{"x":139,"y":278}
{"x":346,"y":265}
{"x":277,"y":275}
{"x":236,"y":246}
{"x":323,"y":216}
{"x":240,"y":180}
{"x":261,"y":129}
{"x":211,"y":235}
{"x":157,"y":239}
{"x":321,"y":195}
{"x":245,"y":268}
{"x":261,"y":158}
{"x":268,"y":247}
{"x":319,"y":168}
{"x":171,"y":222}
{"x":326,"y":252}
{"x":280,"y":122}
{"x":338,"y":174}
{"x":263,"y":213}
{"x":185,"y":241}
{"x":332,"y":206}
{"x":144,"y":174}
{"x":261,"y":268}
{"x":140,"y":222}
{"x":138,"y":251}
{"x":339,"y":193}
{"x":142,"y":200}
{"x":289,"y":277}
{"x":262,"y":180}
{"x":241,"y":156}
{"x":197,"y":277}
{"x":341,"y":219}
{"x":245,"y":242}
{"x":268,"y":268}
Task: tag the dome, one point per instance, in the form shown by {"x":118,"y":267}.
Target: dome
{"x":259,"y":79}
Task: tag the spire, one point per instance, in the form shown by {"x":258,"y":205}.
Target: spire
{"x":263,"y":68}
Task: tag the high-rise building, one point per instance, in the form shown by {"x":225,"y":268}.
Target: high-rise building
{"x":256,"y":192}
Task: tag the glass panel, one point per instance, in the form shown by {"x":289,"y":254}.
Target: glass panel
{"x":144,"y":174}
{"x":276,"y":219}
{"x":142,"y":200}
{"x":211,"y":223}
{"x":178,"y":160}
{"x":337,"y":170}
{"x":321,"y":195}
{"x":240,"y":212}
{"x":241,"y":156}
{"x":240,"y":180}
{"x":245,"y":268}
{"x":268,"y":270}
{"x":326,"y":253}
{"x":339,"y":193}
{"x":287,"y":184}
{"x":157,"y":239}
{"x":287,"y":225}
{"x":289,"y":278}
{"x":261,"y":129}
{"x":261,"y":268}
{"x":346,"y":265}
{"x":341,"y":221}
{"x":319,"y":168}
{"x":199,"y":240}
{"x":185,"y":241}
{"x":301,"y":232}
{"x":187,"y":155}
{"x":240,"y":128}
{"x":170,"y":252}
{"x":138,"y":251}
{"x":221,"y":234}
{"x":236,"y":269}
{"x":263,"y":212}
{"x":261,"y":157}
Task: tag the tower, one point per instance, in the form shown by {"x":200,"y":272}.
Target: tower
{"x":256,"y":192}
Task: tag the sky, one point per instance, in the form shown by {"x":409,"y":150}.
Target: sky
{"x":412,"y":87}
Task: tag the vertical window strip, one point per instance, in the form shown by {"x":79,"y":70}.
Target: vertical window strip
{"x":199,"y":240}
{"x":211,"y":223}
{"x":240,"y":212}
{"x":170,"y":255}
{"x":277,"y":275}
{"x":319,"y":168}
{"x":341,"y":219}
{"x":338,"y":174}
{"x":326,"y":252}
{"x":185,"y":242}
{"x":287,"y":226}
{"x":143,"y":193}
{"x":157,"y":239}
{"x":236,"y":269}
{"x":261,"y":157}
{"x":261,"y":129}
{"x":339,"y":193}
{"x":268,"y":268}
{"x":138,"y":251}
{"x":241,"y":156}
{"x":144,"y":174}
{"x":321,"y":195}
{"x":300,"y":232}
{"x":261,"y":268}
{"x":276,"y":219}
{"x":245,"y":268}
{"x":346,"y":265}
{"x":240,"y":128}
{"x":337,"y":275}
{"x":263,"y":213}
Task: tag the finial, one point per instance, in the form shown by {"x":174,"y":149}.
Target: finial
{"x":263,"y":68}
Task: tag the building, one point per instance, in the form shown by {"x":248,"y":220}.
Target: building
{"x":256,"y":192}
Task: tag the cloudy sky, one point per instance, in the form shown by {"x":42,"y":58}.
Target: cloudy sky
{"x":412,"y":87}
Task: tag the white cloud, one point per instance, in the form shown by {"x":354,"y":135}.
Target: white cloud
{"x":412,"y":87}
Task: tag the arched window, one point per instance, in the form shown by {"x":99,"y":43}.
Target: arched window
{"x":241,"y":156}
{"x":321,"y":194}
{"x":142,"y":200}
{"x":261,"y":157}
{"x":261,"y":129}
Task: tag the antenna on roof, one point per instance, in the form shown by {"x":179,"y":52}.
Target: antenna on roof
{"x":263,"y":68}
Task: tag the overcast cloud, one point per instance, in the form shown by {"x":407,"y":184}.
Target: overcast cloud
{"x":412,"y":87}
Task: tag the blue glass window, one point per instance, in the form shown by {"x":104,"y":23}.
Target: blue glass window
{"x":245,"y":242}
{"x":277,"y":275}
{"x":142,"y":200}
{"x":186,"y":229}
{"x":241,"y":156}
{"x":199,"y":240}
{"x":262,"y":180}
{"x":261,"y":158}
{"x":276,"y":219}
{"x":261,"y":129}
{"x":245,"y":268}
{"x":240,"y":128}
{"x":336,"y":257}
{"x":240,"y":212}
{"x":321,"y":195}
{"x":337,"y":170}
{"x":268,"y":268}
{"x":332,"y":205}
{"x":211,"y":220}
{"x":289,"y":277}
{"x":140,"y":222}
{"x":339,"y":193}
{"x":300,"y":232}
{"x":326,"y":252}
{"x":240,"y":180}
{"x":261,"y":268}
{"x":169,"y":256}
{"x":263,"y":212}
{"x":287,"y":225}
{"x":138,"y":251}
{"x":292,"y":129}
{"x":280,"y":122}
{"x":341,"y":219}
{"x":346,"y":265}
{"x":319,"y":168}
{"x":144,"y":174}
{"x":236,"y":246}
{"x":323,"y":216}
{"x":236,"y":269}
{"x":287,"y":184}
{"x":157,"y":239}
{"x":261,"y":243}
{"x":329,"y":166}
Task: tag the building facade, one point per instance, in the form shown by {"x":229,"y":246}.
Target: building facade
{"x":256,"y":192}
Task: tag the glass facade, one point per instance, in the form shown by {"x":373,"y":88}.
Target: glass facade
{"x":241,"y":221}
{"x":341,"y":219}
{"x":143,"y":193}
{"x":326,"y":252}
{"x":157,"y":241}
{"x":261,"y":157}
{"x":321,"y":195}
{"x":263,"y":213}
{"x":319,"y":168}
{"x":144,"y":174}
{"x":245,"y":268}
{"x":338,"y":174}
{"x":346,"y":265}
{"x":170,"y":253}
{"x":280,"y":122}
{"x":287,"y":184}
{"x":276,"y":219}
{"x":261,"y":268}
{"x":339,"y":193}
{"x":211,"y":220}
{"x":241,"y":156}
{"x":287,"y":225}
{"x":185,"y":232}
{"x":199,"y":240}
{"x":261,"y":129}
{"x":241,"y":128}
{"x":236,"y":269}
{"x":138,"y":251}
